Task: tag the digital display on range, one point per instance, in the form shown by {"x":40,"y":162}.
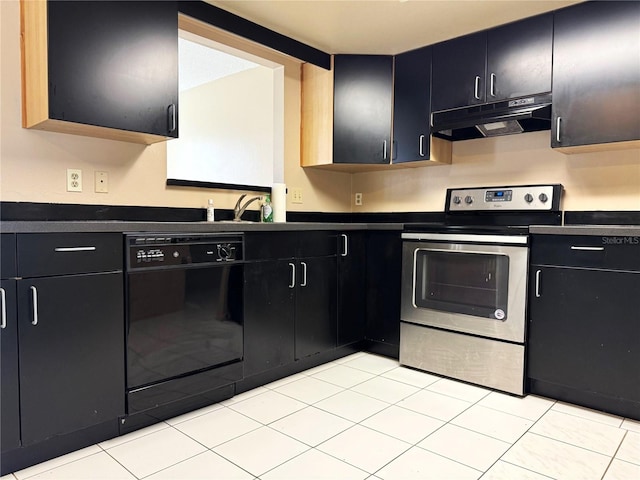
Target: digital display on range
{"x":498,"y":196}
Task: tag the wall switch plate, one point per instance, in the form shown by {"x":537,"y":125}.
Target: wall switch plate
{"x":358,"y":199}
{"x":74,"y":180}
{"x":102,"y":182}
{"x":296,"y":195}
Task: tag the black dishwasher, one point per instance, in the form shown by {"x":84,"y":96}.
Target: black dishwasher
{"x":184,"y":319}
{"x":584,"y":321}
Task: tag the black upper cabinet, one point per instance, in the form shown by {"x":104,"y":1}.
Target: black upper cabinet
{"x":519,"y":58}
{"x":114,"y":64}
{"x":458,"y":72}
{"x":412,"y":106}
{"x":510,"y":61}
{"x":363,"y":90}
{"x":596,"y":74}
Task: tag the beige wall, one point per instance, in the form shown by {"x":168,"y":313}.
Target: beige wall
{"x":592,"y":181}
{"x":33,"y":163}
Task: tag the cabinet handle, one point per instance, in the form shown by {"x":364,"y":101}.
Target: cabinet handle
{"x":558,"y":120}
{"x":75,"y":249}
{"x":476,"y":91}
{"x":3,"y":299}
{"x":384,"y":150}
{"x":304,"y":274}
{"x":34,"y":298}
{"x":293,"y":275}
{"x":587,"y":249}
{"x":171,"y":111}
{"x":492,"y":85}
{"x":422,"y":145}
{"x":538,"y":283}
{"x":345,"y":245}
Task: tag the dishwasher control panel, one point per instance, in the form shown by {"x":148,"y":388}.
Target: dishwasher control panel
{"x":148,"y":251}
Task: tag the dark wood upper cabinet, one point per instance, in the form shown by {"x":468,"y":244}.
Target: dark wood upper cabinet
{"x":519,"y":58}
{"x":106,"y":69}
{"x":458,"y":72}
{"x":363,"y":92}
{"x":510,"y":61}
{"x":412,"y":106}
{"x":596,"y":75}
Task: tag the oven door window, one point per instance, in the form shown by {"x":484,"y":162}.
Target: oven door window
{"x":182,"y":321}
{"x":469,"y":283}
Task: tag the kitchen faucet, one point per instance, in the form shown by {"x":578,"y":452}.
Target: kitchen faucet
{"x":239,"y":210}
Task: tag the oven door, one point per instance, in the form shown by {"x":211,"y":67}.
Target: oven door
{"x":472,"y":288}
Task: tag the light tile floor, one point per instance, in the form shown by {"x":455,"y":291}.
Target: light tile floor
{"x":365,"y":417}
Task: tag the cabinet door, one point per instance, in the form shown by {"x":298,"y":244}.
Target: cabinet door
{"x":596,"y":74}
{"x":459,"y":67}
{"x":363,"y":89}
{"x":584,"y":331}
{"x":268,"y":315}
{"x":412,"y":106}
{"x":9,"y":388}
{"x":315,"y":329}
{"x":384,"y":268}
{"x":519,"y":58}
{"x":351,"y":288}
{"x":114,"y":64}
{"x":72,"y":359}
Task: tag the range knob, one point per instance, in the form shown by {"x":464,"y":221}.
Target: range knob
{"x":468,"y":199}
{"x":528,"y":198}
{"x":543,"y":197}
{"x":226,"y":252}
{"x":457,"y":200}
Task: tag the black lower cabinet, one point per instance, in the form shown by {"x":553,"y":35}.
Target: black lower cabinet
{"x":315,"y":323}
{"x":351,"y":292}
{"x":383,"y":270}
{"x":9,"y":388}
{"x":584,"y":337}
{"x":268,"y":316}
{"x":290,"y":298}
{"x":71,"y":353}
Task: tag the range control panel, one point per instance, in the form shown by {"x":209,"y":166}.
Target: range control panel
{"x":514,"y":198}
{"x":168,"y":251}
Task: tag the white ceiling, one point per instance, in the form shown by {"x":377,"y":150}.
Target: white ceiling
{"x":382,"y":26}
{"x":200,"y":64}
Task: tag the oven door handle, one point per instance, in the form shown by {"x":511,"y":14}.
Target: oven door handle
{"x":538,"y":272}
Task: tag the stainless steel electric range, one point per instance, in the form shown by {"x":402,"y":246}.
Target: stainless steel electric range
{"x":464,"y":284}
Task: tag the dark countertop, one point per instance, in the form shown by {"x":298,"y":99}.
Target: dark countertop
{"x":590,"y":230}
{"x":180,"y":227}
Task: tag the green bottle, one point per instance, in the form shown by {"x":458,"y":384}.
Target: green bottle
{"x":266,"y":212}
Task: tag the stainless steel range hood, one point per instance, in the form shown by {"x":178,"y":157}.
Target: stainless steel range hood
{"x":520,"y":115}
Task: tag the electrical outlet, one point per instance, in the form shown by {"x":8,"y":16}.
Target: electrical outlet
{"x":296,"y":195}
{"x":358,"y":198}
{"x":102,"y":182}
{"x":74,"y":180}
